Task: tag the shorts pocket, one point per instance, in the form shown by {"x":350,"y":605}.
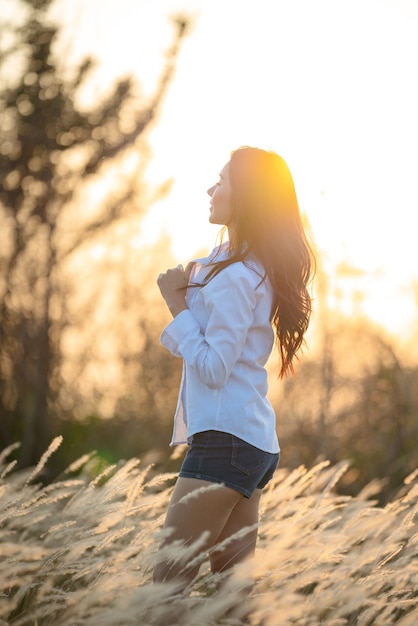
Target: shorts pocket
{"x":246,"y":457}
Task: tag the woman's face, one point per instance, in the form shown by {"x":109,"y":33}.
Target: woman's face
{"x":221,"y":199}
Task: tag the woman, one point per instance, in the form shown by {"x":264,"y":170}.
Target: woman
{"x":228,"y":309}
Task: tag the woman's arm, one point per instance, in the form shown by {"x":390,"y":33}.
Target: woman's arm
{"x":229,"y":300}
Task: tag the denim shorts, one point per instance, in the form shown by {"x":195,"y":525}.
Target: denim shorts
{"x":226,"y":459}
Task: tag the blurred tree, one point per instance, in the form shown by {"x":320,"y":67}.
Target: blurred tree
{"x":355,"y":401}
{"x":354,"y":398}
{"x":50,"y":150}
{"x":120,"y":385}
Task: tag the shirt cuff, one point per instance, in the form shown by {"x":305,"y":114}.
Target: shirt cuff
{"x":177,"y":330}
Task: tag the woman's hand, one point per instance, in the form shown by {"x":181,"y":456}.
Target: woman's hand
{"x":173,"y":284}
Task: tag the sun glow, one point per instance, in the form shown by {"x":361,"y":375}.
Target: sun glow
{"x":327,"y":85}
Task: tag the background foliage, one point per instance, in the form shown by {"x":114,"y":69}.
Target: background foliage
{"x":56,"y":350}
{"x":80,"y":316}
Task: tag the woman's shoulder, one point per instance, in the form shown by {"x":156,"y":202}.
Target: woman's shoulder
{"x":247,"y":272}
{"x":249,"y":268}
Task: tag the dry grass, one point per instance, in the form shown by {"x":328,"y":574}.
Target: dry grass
{"x":81,"y":552}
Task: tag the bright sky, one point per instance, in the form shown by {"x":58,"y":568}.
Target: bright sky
{"x":331,"y":85}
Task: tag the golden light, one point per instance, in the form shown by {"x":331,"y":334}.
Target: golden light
{"x":328,"y":85}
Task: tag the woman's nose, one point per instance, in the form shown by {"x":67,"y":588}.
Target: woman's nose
{"x":210,"y":190}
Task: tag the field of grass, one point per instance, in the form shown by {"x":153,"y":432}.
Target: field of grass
{"x":81,"y":551}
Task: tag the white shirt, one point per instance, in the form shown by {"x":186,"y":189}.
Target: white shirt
{"x":225,"y":338}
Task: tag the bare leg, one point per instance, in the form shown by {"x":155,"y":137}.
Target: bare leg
{"x":236,"y":549}
{"x":196,"y":506}
{"x":244,"y":514}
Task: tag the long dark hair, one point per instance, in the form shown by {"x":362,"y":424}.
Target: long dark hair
{"x":267,"y":225}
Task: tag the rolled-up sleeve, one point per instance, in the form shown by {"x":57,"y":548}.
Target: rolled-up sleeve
{"x":229,"y":299}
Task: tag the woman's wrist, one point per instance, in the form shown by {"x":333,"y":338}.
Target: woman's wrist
{"x":177,"y":306}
